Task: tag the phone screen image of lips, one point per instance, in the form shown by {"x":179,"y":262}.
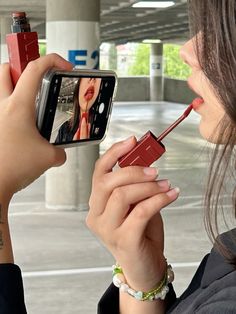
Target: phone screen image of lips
{"x":89,"y":93}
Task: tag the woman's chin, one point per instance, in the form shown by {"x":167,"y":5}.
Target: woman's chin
{"x":209,"y":136}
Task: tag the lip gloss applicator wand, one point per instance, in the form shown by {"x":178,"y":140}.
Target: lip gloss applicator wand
{"x":150,"y":148}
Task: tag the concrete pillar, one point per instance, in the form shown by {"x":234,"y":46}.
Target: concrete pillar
{"x":5,"y":29}
{"x":113,"y":57}
{"x":73,"y":32}
{"x":156,"y":72}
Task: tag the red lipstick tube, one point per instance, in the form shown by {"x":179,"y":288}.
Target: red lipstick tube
{"x":22,"y":45}
{"x":150,"y":148}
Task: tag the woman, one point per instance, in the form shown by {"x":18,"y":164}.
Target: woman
{"x":129,"y":201}
{"x":78,"y":127}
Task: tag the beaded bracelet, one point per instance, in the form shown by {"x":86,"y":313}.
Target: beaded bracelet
{"x":159,"y":292}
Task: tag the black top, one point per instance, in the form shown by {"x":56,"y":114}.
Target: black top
{"x":11,"y":290}
{"x":211,"y":291}
{"x":65,"y":134}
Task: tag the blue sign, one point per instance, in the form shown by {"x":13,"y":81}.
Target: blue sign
{"x":80,"y":57}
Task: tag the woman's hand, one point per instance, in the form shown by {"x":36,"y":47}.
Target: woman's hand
{"x":124,"y":212}
{"x":83,"y":131}
{"x":24,"y":154}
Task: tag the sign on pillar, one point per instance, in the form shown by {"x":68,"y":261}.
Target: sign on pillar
{"x":156,"y":73}
{"x":156,"y":66}
{"x":80,"y":46}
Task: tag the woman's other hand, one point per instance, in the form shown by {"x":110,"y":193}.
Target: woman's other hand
{"x":24,"y":154}
{"x":124,"y":213}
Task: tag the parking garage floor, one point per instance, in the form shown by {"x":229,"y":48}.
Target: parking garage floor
{"x":65,"y":268}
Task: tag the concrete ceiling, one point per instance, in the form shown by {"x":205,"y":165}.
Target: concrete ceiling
{"x":120,"y":22}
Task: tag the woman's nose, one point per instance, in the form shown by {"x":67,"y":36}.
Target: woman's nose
{"x":188,"y":55}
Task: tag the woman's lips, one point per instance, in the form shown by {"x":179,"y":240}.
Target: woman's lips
{"x":197,"y":102}
{"x":89,"y":93}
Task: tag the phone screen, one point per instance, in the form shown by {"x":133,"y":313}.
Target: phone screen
{"x":78,"y":108}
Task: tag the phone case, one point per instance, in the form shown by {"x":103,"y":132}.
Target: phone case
{"x":42,"y":102}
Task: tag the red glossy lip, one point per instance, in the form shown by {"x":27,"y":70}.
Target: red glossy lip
{"x":197,"y":102}
{"x":89,"y":93}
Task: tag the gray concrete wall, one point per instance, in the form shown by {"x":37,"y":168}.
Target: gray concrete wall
{"x":138,"y":89}
{"x":177,"y":91}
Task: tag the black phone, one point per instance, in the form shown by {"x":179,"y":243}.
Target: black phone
{"x":74,"y":108}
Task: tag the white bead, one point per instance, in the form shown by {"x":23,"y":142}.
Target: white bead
{"x":131,"y":292}
{"x":163,"y":294}
{"x":117,"y":282}
{"x":157,"y":296}
{"x":124,"y":287}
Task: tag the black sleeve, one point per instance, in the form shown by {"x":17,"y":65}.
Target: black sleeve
{"x":11,"y":290}
{"x":60,"y":135}
{"x":65,"y":133}
{"x":109,"y":302}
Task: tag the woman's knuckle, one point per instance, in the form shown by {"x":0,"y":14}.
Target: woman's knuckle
{"x":103,"y":184}
{"x":134,"y":172}
{"x":53,"y":55}
{"x":118,"y":194}
{"x":130,"y":171}
{"x":33,"y":66}
{"x":141,"y":211}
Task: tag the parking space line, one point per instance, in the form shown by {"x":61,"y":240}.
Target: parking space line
{"x":80,"y":271}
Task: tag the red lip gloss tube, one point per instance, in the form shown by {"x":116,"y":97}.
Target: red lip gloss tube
{"x":150,"y":148}
{"x":22,"y":45}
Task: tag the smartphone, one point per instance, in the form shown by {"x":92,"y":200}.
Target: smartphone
{"x":74,"y":108}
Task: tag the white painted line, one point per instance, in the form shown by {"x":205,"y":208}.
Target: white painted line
{"x":79,"y":271}
{"x":182,"y":265}
{"x":65,"y":272}
{"x":26,"y":204}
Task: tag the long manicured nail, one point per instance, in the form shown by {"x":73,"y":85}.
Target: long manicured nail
{"x":150,"y":171}
{"x":163,"y":183}
{"x":173,"y":193}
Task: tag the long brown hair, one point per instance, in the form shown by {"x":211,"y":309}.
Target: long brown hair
{"x":213,"y":22}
